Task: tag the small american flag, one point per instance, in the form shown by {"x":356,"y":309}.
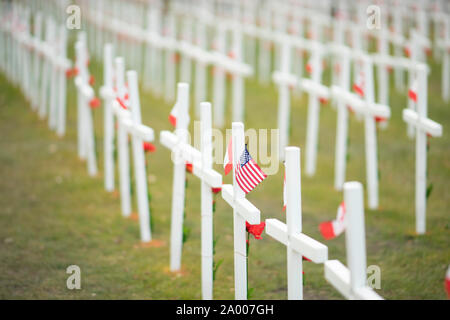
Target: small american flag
{"x":248,"y":173}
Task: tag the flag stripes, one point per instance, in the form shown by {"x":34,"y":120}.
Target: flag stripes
{"x":248,"y":173}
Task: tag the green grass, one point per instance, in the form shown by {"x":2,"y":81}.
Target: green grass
{"x":52,"y":214}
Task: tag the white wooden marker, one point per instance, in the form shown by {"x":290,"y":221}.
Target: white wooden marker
{"x":370,"y":110}
{"x":186,"y":63}
{"x":285,"y":80}
{"x":238,"y":81}
{"x":207,"y":201}
{"x":108,"y":95}
{"x":340,"y":160}
{"x":122,"y":140}
{"x":139,"y":133}
{"x":219,"y":80}
{"x":63,"y":65}
{"x":243,"y":210}
{"x":290,"y":234}
{"x":312,"y":86}
{"x":170,"y":55}
{"x":423,"y":127}
{"x":36,"y":60}
{"x":202,"y":168}
{"x":48,"y":51}
{"x":86,"y":141}
{"x":179,"y":175}
{"x":200,"y":68}
{"x":351,"y":282}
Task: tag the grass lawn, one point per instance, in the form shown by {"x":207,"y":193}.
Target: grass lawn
{"x":52,"y":214}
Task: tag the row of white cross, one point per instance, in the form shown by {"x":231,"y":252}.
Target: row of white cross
{"x":130,"y":123}
{"x":290,"y":234}
{"x":37,"y":64}
{"x":123,"y":105}
{"x":161,"y":50}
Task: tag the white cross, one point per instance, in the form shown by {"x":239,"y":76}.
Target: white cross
{"x":139,"y":133}
{"x":314,"y":88}
{"x":443,"y":43}
{"x":186,"y":64}
{"x":219,"y":80}
{"x":108,"y":95}
{"x":86,"y":141}
{"x":60,"y":63}
{"x":285,"y":80}
{"x":201,"y":161}
{"x":369,"y":110}
{"x":290,"y":234}
{"x":48,"y":51}
{"x":351,"y":281}
{"x":122,"y":139}
{"x":264,"y":56}
{"x":179,"y":174}
{"x":63,"y":65}
{"x":170,"y":66}
{"x":343,"y":79}
{"x":207,"y":206}
{"x":200,"y":67}
{"x":423,"y":126}
{"x":243,"y":210}
{"x":36,"y":60}
{"x":152,"y":54}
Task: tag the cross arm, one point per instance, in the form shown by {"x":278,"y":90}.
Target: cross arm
{"x":277,"y":230}
{"x":210,"y":176}
{"x":428,"y":126}
{"x":231,"y":65}
{"x":139,"y":130}
{"x":63,"y":63}
{"x":308,"y":247}
{"x":365,"y":293}
{"x":339,"y":276}
{"x":168,"y":139}
{"x":359,"y":105}
{"x":120,"y":112}
{"x":283,"y":78}
{"x":245,"y":208}
{"x":315,"y":88}
{"x":107,"y":93}
{"x":85,"y":89}
{"x":192,"y":155}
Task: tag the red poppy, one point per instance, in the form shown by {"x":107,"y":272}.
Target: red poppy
{"x":380,"y":119}
{"x":216,"y":190}
{"x":149,"y":147}
{"x":323,"y":100}
{"x":176,"y":58}
{"x":350,"y":109}
{"x":255,"y":229}
{"x":91,"y":80}
{"x":407,"y":51}
{"x":189,"y":167}
{"x":94,"y":103}
{"x":121,"y":103}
